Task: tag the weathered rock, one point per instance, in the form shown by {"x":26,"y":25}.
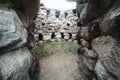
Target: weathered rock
{"x":53,"y":21}
{"x":101,"y":72}
{"x":87,"y":62}
{"x":75,"y":41}
{"x":15,"y":58}
{"x":83,"y":14}
{"x":110,"y":23}
{"x":31,"y":7}
{"x":84,"y":32}
{"x":89,"y":32}
{"x":79,"y":9}
{"x":107,"y":14}
{"x":107,"y":47}
{"x":46,"y":36}
{"x":100,"y":6}
{"x":36,"y":36}
{"x":35,"y":68}
{"x":62,"y":15}
{"x":66,"y":36}
{"x":52,"y":14}
{"x":57,"y":35}
{"x":92,"y":54}
{"x":73,"y":36}
{"x":14,"y":65}
{"x":89,"y":57}
{"x":108,"y":54}
{"x":70,"y":16}
{"x":12,"y":34}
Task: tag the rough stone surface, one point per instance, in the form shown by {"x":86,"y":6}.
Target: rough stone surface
{"x":26,"y":9}
{"x":94,"y":10}
{"x":87,"y":61}
{"x":55,"y":21}
{"x":14,"y":65}
{"x":110,"y":23}
{"x":12,"y":34}
{"x":46,"y":36}
{"x":108,"y":49}
{"x":101,"y":72}
{"x":15,"y":58}
{"x":83,"y":13}
{"x":106,"y":42}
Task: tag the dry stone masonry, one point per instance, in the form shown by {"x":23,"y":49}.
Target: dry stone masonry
{"x":16,"y":58}
{"x":99,"y":22}
{"x":95,"y":23}
{"x":55,"y":25}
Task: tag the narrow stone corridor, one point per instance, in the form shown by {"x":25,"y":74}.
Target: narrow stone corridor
{"x":59,"y":39}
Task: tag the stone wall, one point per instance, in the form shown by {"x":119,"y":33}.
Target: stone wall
{"x":99,"y":21}
{"x":55,"y":25}
{"x":16,"y":58}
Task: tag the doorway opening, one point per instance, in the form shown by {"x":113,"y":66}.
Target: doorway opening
{"x":53,"y":36}
{"x":40,"y":37}
{"x":70,"y":35}
{"x":62,"y":35}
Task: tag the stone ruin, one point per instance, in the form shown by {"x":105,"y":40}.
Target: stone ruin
{"x":100,"y":27}
{"x":55,"y":25}
{"x":17,"y":58}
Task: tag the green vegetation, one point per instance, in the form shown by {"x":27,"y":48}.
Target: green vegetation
{"x":49,"y":48}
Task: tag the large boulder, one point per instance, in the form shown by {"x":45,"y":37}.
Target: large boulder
{"x":26,"y":9}
{"x":94,"y":9}
{"x":12,"y":33}
{"x":101,"y":72}
{"x":14,"y":65}
{"x":87,"y":61}
{"x":107,"y":45}
{"x":15,"y":58}
{"x":110,"y":23}
{"x":108,"y":54}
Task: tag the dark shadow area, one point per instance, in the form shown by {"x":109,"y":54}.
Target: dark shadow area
{"x":65,"y":13}
{"x":62,"y":35}
{"x":57,"y":14}
{"x":40,"y":37}
{"x":70,"y":35}
{"x":53,"y":36}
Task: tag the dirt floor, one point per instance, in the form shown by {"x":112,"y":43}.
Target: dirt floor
{"x":59,"y":65}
